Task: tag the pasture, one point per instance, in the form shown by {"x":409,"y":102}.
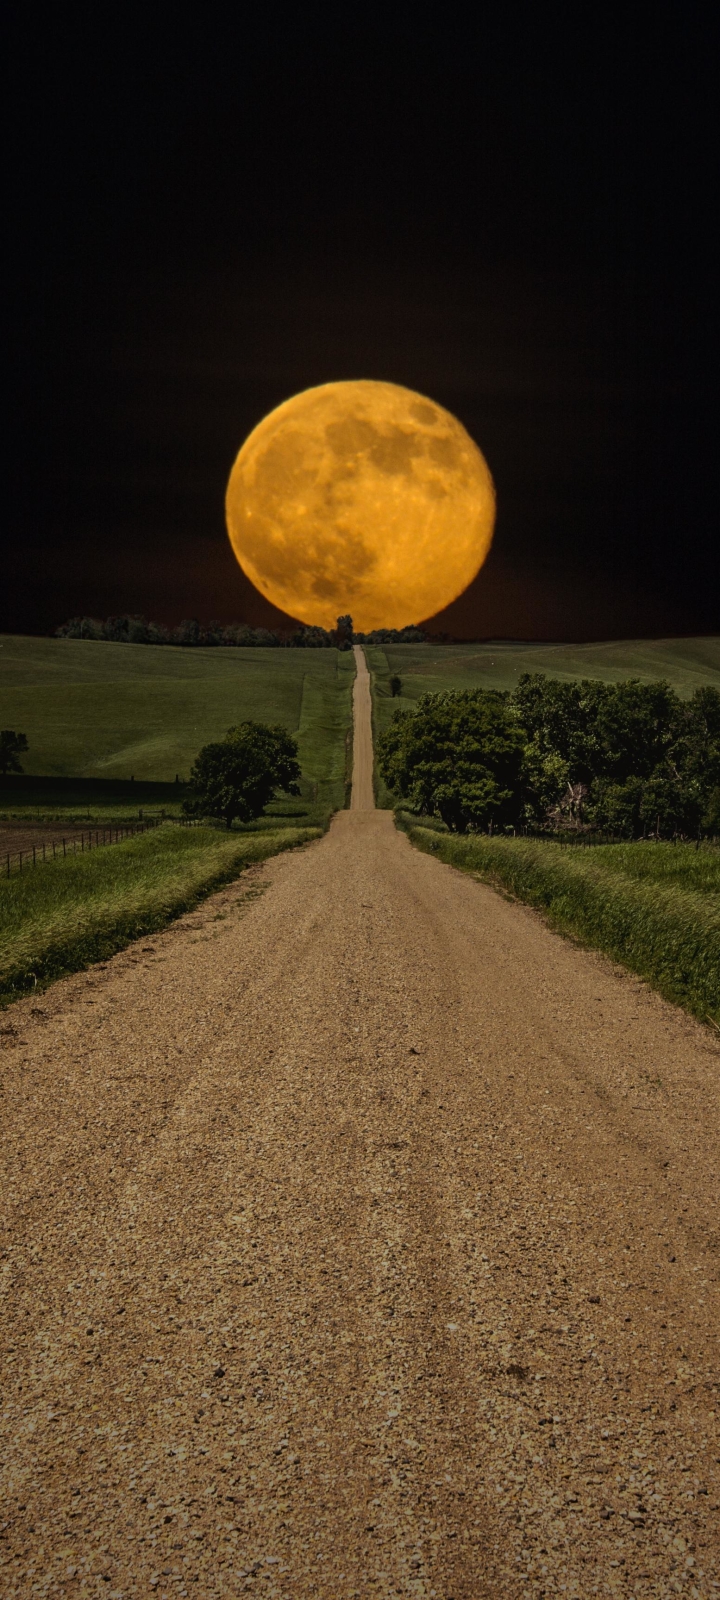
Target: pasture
{"x":428,"y":668}
{"x":128,"y":716}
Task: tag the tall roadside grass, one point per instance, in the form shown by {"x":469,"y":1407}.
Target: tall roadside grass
{"x":72,"y":912}
{"x":662,"y":862}
{"x":654,"y":908}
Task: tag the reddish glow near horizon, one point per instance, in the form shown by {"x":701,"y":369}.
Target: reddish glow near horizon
{"x":360,"y":497}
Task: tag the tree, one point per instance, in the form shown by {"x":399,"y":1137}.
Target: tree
{"x":395,"y":685}
{"x":12,"y":746}
{"x":80,"y":628}
{"x":558,"y":720}
{"x":624,"y":757}
{"x":549,"y":792}
{"x":694,"y":756}
{"x":711,"y":814}
{"x":236,"y":777}
{"x":459,"y":756}
{"x":344,"y":633}
{"x":634,"y":725}
{"x":188,"y":632}
{"x":617,"y":808}
{"x":309,"y":638}
{"x":612,"y":731}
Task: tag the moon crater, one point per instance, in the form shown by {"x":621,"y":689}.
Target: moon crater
{"x":360,"y":497}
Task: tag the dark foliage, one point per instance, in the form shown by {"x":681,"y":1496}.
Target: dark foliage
{"x":135,"y":630}
{"x":343,"y":636}
{"x":235,"y":778}
{"x":409,"y":635}
{"x":628,"y":760}
{"x":459,"y":756}
{"x":12,"y":746}
{"x":395,"y":685}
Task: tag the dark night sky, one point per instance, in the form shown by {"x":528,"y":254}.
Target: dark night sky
{"x":516,"y":215}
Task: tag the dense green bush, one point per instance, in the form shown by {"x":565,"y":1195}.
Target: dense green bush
{"x":639,"y":759}
{"x":459,"y":755}
{"x":625,"y":759}
{"x":236,"y":777}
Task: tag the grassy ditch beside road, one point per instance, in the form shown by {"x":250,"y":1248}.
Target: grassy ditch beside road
{"x":655,"y":908}
{"x":70,"y":913}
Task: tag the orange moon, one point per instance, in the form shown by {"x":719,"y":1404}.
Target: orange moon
{"x":360,"y":497}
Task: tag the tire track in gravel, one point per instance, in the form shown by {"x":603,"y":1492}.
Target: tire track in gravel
{"x":359,"y":1239}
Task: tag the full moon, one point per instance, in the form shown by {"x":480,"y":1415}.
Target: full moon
{"x":360,"y":497}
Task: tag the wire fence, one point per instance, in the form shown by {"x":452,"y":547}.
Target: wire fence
{"x":76,"y":844}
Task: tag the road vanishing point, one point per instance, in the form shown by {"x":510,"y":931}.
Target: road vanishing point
{"x":359,"y":1239}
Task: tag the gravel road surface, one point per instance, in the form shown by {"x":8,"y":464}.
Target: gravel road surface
{"x":363,"y":798}
{"x":359,"y":1239}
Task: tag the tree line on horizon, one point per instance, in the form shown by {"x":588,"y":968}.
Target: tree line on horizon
{"x":630,"y":760}
{"x":129,"y":629}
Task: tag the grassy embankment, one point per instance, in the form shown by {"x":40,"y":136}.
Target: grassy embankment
{"x":108,"y":728}
{"x":70,"y":913}
{"x":655,"y":908}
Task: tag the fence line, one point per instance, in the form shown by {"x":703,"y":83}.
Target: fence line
{"x":89,"y":839}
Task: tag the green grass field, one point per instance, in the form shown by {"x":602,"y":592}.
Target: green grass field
{"x":70,"y":913}
{"x":653,"y":907}
{"x":119,"y":712}
{"x":427,"y":668}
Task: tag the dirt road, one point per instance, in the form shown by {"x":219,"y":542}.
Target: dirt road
{"x":359,"y":1240}
{"x":362,"y":798}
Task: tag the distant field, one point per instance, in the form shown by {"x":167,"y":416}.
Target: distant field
{"x":427,"y":668}
{"x":116,"y":712}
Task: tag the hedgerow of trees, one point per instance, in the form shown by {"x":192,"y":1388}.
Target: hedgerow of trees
{"x":629,"y":760}
{"x":136,"y":630}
